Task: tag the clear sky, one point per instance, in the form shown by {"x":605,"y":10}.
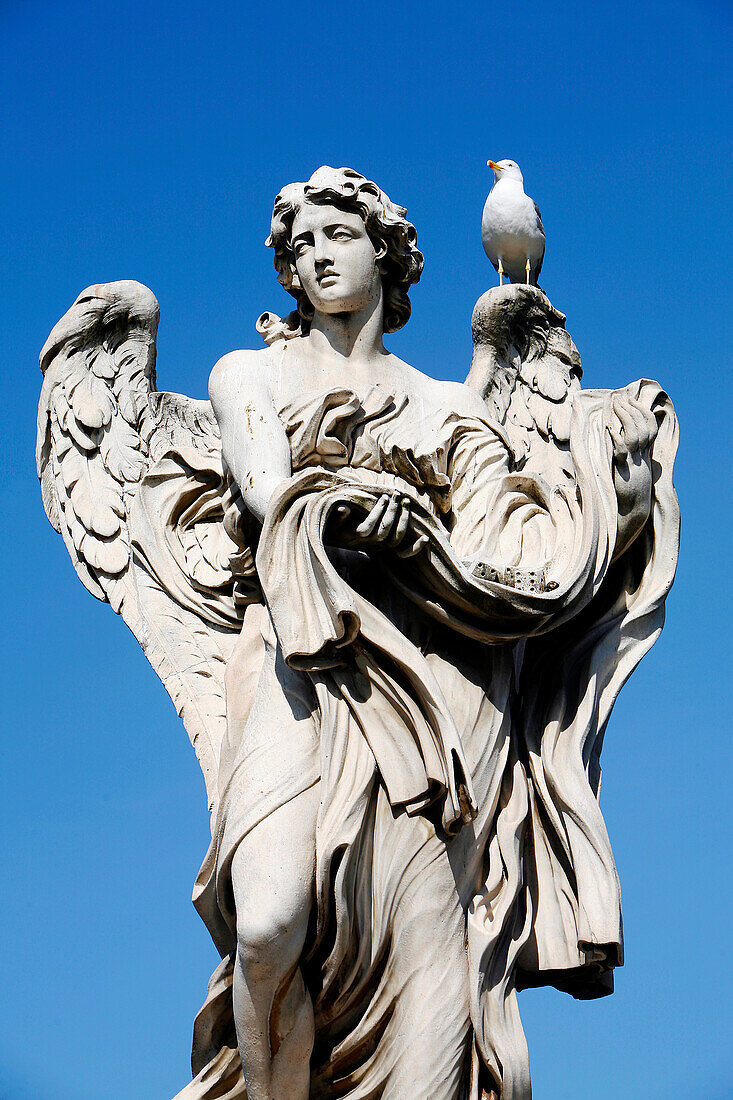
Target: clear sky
{"x":148,"y":141}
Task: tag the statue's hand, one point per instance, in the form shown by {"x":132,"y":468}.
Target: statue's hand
{"x":633,"y":429}
{"x":386,"y":527}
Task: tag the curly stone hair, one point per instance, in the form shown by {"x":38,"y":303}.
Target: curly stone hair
{"x":386,"y":223}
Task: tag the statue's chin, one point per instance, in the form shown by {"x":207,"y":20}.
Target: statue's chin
{"x":338,"y":302}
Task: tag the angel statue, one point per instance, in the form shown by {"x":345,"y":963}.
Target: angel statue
{"x":394,"y":614}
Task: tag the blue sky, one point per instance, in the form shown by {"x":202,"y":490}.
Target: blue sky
{"x":148,"y":141}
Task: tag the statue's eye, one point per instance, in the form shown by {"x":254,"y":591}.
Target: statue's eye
{"x":341,"y":234}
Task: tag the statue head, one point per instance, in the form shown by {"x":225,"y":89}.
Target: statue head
{"x":393,"y":252}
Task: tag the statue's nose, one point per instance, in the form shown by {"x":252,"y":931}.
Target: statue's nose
{"x":323,"y":249}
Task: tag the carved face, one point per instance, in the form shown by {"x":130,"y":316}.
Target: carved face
{"x":335,"y":260}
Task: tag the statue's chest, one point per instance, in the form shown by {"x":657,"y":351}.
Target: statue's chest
{"x":382,"y":431}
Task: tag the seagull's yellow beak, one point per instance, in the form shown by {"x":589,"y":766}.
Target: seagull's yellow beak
{"x":493,"y":166}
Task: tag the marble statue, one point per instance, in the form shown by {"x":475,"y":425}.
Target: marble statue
{"x":394,"y":614}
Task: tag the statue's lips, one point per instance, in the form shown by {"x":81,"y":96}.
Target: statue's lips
{"x":328,"y":279}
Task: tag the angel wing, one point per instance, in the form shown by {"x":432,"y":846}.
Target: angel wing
{"x":133,"y":480}
{"x":565,"y":930}
{"x":526,"y":367}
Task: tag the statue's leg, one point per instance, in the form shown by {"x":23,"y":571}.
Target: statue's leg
{"x":432,"y":1008}
{"x":273,"y":883}
{"x":271,"y":835}
{"x":421,"y":1013}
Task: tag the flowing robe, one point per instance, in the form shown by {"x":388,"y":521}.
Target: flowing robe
{"x":453,"y":722}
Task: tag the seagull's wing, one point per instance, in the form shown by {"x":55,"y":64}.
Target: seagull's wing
{"x":540,"y":226}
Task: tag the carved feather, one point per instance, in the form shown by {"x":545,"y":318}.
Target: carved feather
{"x":526,"y":367}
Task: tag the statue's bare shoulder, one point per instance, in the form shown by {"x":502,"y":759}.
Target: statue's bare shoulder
{"x":244,"y":371}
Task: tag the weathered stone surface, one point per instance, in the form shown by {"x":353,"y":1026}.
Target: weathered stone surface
{"x":394,"y":614}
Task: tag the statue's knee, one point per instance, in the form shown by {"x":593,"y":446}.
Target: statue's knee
{"x":267,"y":943}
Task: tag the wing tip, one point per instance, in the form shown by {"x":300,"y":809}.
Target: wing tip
{"x":98,"y":306}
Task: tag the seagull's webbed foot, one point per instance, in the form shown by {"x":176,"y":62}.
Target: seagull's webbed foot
{"x":501,"y":272}
{"x":527,"y":268}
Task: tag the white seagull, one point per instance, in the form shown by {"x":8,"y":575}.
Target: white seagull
{"x":511,"y":227}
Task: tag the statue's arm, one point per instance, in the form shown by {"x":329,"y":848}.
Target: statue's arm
{"x":254,"y":443}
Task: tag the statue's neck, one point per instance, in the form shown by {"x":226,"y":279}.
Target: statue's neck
{"x":356,"y":335}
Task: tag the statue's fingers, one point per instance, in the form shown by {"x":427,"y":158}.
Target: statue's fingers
{"x":416,"y":547}
{"x":628,"y":425}
{"x":617,"y":439}
{"x":616,"y":429}
{"x":400,"y":530}
{"x":640,"y":430}
{"x":651,"y":425}
{"x":367,"y":526}
{"x":387,"y":521}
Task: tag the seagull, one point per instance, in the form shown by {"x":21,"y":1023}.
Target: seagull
{"x":511,"y":227}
